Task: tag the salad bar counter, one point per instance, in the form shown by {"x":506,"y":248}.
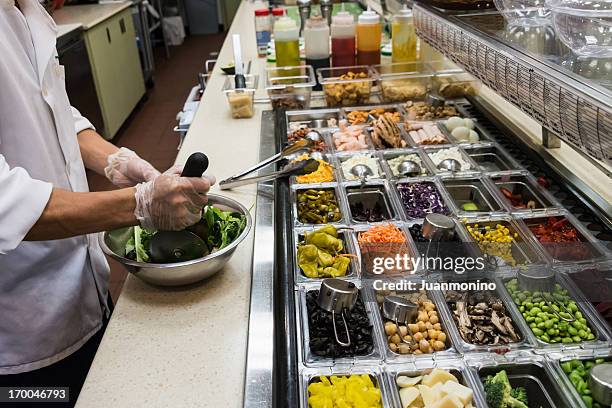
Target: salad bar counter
{"x":473,"y":339}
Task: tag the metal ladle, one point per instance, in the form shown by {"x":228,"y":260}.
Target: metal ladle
{"x":362,"y":172}
{"x":543,"y":281}
{"x":300,"y":146}
{"x":397,"y":309}
{"x":337,"y":296}
{"x":451,"y":165}
{"x":409,"y":168}
{"x":299,"y":168}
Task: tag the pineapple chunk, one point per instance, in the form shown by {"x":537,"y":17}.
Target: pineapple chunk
{"x":408,"y":396}
{"x":463,"y":393}
{"x":448,"y":402}
{"x":438,"y":376}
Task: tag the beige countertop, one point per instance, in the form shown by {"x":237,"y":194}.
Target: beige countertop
{"x":88,"y":15}
{"x":63,"y":29}
{"x":187,"y":347}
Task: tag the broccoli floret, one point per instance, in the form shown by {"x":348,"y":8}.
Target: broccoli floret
{"x":500,"y":393}
{"x":519,"y":393}
{"x":495,"y":393}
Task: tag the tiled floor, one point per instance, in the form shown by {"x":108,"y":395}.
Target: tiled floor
{"x":148,"y":131}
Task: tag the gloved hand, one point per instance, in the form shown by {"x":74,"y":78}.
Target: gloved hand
{"x":170,"y":202}
{"x":125,"y":169}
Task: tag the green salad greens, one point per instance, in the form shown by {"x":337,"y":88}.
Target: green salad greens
{"x":223,"y":228}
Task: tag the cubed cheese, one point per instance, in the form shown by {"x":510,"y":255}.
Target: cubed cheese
{"x":438,"y":376}
{"x":408,"y":395}
{"x":448,"y":402}
{"x":405,"y":381}
{"x":460,"y":391}
{"x":429,"y":395}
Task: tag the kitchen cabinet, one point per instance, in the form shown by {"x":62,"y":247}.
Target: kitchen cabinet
{"x":111,"y":46}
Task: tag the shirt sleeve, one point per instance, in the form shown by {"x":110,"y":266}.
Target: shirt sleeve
{"x":22,"y":201}
{"x":80,"y":122}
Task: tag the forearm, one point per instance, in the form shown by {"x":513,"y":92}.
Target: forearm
{"x":95,"y":150}
{"x":69,"y":214}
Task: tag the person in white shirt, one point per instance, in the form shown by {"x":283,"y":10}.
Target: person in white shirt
{"x":53,"y":275}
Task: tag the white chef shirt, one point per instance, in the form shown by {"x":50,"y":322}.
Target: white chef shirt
{"x":52,"y":293}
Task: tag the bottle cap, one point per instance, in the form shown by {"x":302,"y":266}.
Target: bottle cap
{"x":316,"y":21}
{"x":277,"y":12}
{"x":285,"y":23}
{"x":343,"y":18}
{"x":262,"y":12}
{"x":369,"y":17}
{"x":404,"y":13}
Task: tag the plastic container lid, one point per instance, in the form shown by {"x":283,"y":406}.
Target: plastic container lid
{"x":582,"y":7}
{"x":369,"y":17}
{"x":262,"y":12}
{"x":277,"y":12}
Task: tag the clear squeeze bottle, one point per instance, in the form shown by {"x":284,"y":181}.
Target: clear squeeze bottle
{"x":343,"y":39}
{"x":403,"y":37}
{"x":286,"y":42}
{"x":368,"y":38}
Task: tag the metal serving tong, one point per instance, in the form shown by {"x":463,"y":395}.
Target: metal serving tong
{"x":292,"y":169}
{"x":543,"y":281}
{"x":336,"y":296}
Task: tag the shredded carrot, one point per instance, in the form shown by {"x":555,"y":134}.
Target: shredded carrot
{"x":384,"y":233}
{"x":323,"y":174}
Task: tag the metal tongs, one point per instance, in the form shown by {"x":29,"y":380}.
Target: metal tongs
{"x":543,"y":281}
{"x":302,"y":167}
{"x":336,"y":296}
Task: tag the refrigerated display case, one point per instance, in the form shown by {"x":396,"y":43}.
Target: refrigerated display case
{"x":515,"y":186}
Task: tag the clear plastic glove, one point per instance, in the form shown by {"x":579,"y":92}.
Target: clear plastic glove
{"x":126,"y":169}
{"x":170,"y":202}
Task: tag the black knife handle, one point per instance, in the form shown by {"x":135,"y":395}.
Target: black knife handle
{"x":196,"y":165}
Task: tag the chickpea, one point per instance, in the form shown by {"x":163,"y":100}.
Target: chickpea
{"x":432,"y":313}
{"x":422,"y":326}
{"x":437,"y":326}
{"x":439,"y":346}
{"x":442,"y":337}
{"x":390,"y":328}
{"x":417,"y":352}
{"x":434,"y":320}
{"x":418,"y":336}
{"x":425,"y":335}
{"x":393,"y":347}
{"x":428,"y":326}
{"x":414,"y":328}
{"x":414,"y":347}
{"x":422,"y":317}
{"x":404,"y":348}
{"x":403,"y":331}
{"x":424,"y":346}
{"x":432,"y":334}
{"x":395,"y":339}
{"x":408,"y":338}
{"x":429,"y":307}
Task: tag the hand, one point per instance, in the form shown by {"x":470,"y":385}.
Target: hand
{"x":170,"y":202}
{"x":126,"y":169}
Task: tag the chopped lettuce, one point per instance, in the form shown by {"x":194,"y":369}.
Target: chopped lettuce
{"x":223,"y":226}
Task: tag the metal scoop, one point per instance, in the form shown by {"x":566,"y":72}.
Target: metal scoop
{"x":299,"y":168}
{"x":300,"y":146}
{"x":181,"y":246}
{"x":362,"y":172}
{"x":336,"y":296}
{"x":437,"y":227}
{"x":397,"y":309}
{"x":451,"y":165}
{"x":409,"y":168}
{"x":600,"y":383}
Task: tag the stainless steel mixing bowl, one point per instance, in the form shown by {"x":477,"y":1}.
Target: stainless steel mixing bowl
{"x":181,"y":273}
